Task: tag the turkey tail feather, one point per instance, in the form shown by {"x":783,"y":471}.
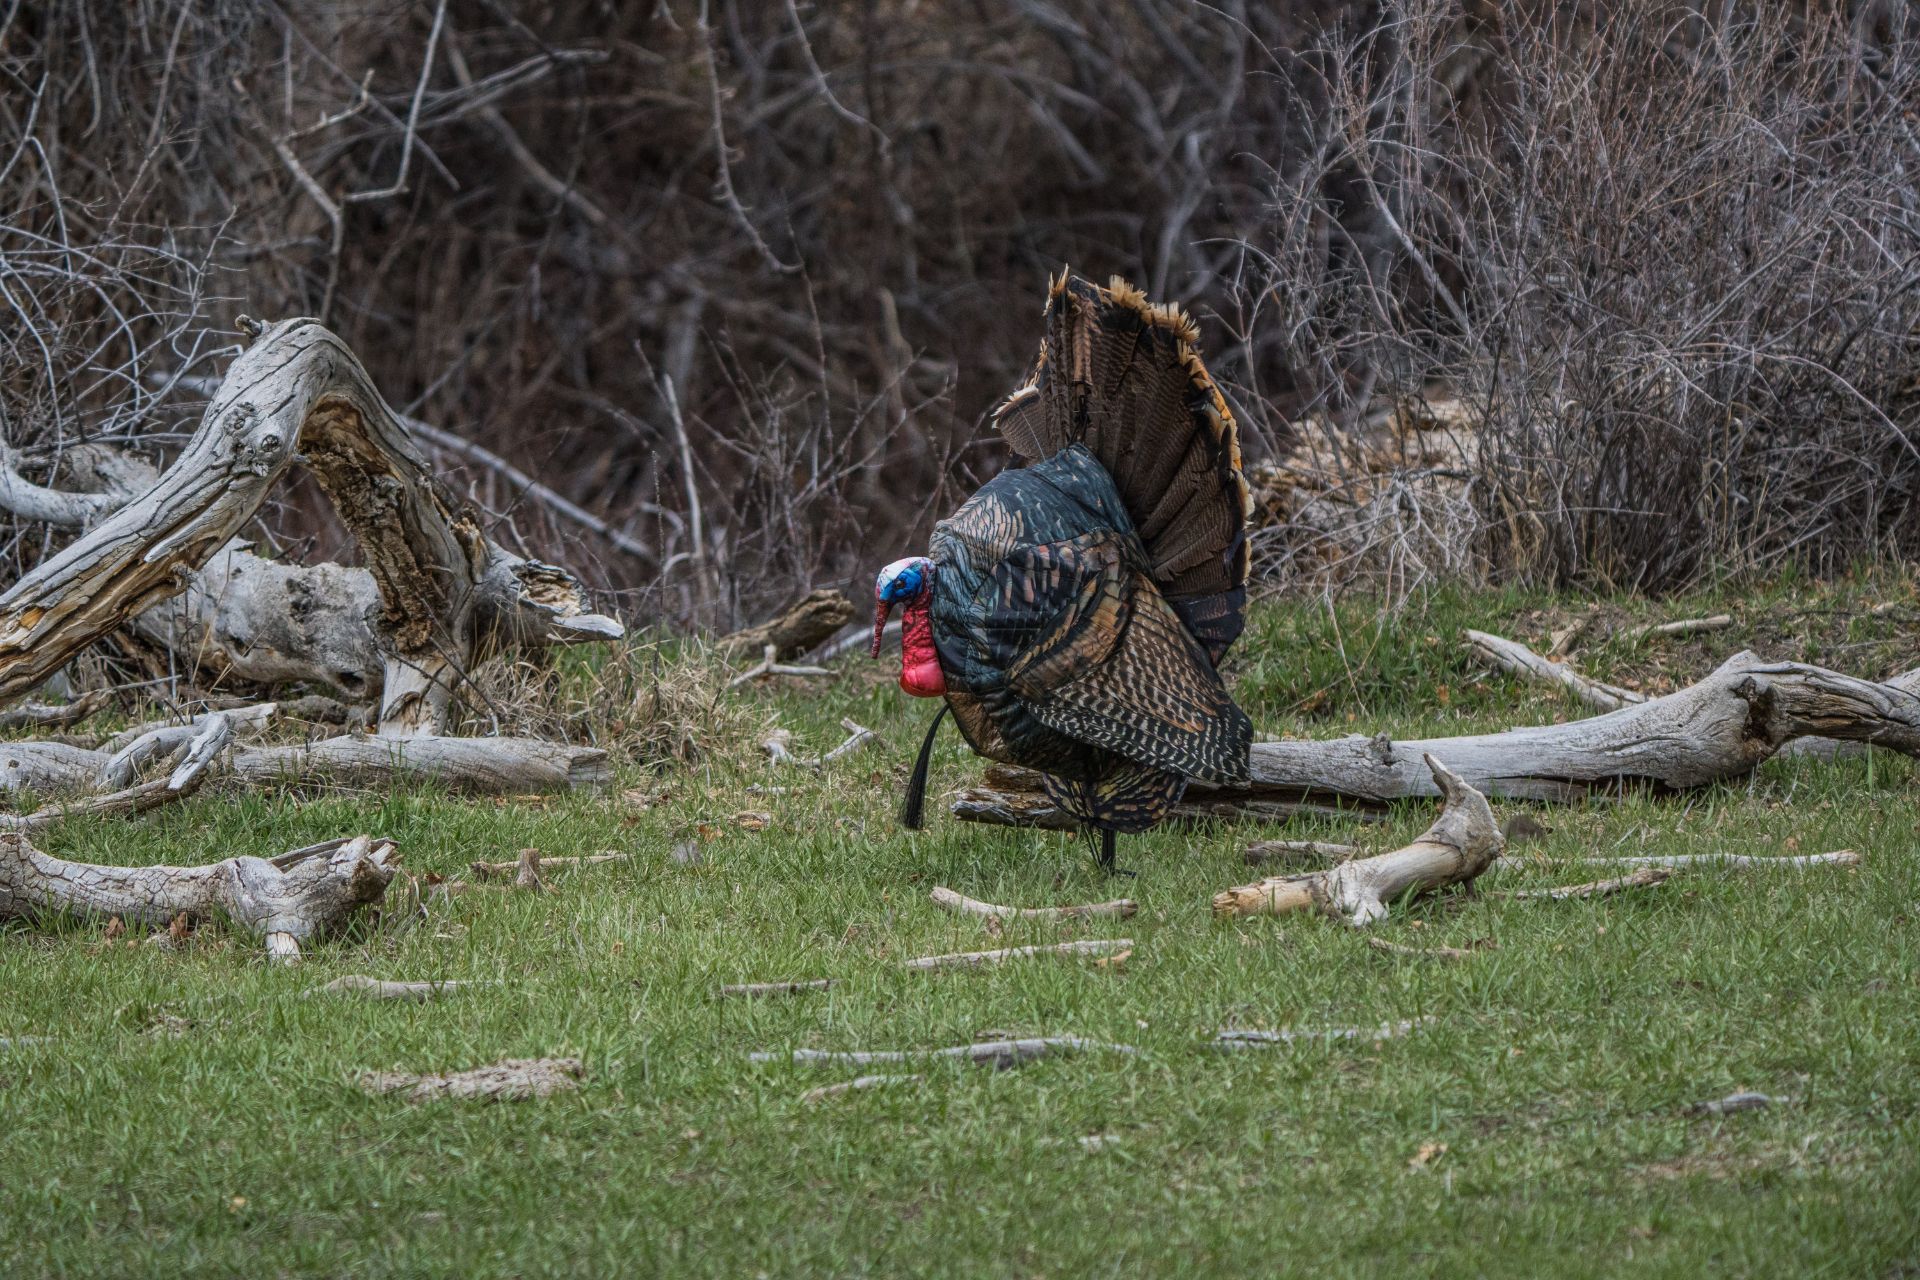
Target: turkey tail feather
{"x":1123,"y":377}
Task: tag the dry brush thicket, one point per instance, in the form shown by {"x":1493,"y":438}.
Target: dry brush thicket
{"x":715,"y":294}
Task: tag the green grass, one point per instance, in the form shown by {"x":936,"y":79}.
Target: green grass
{"x":193,"y":1111}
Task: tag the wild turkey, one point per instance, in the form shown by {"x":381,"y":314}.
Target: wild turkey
{"x":1073,"y":611}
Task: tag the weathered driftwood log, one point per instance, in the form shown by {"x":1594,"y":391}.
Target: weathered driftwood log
{"x":297,"y":897}
{"x":191,"y":761}
{"x":1723,"y":727}
{"x":447,"y":593}
{"x":1462,"y":842}
{"x":491,"y":766}
{"x":801,"y":627}
{"x":948,"y":900}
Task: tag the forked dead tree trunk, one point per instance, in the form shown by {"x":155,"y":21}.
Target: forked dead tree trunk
{"x":446,"y":592}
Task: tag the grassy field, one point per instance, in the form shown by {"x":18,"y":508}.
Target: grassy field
{"x":194,"y":1111}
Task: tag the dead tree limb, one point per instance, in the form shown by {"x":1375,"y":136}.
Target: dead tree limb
{"x":1234,"y":1040}
{"x":1298,"y":852}
{"x":1732,"y":861}
{"x":502,"y":870}
{"x":758,"y":990}
{"x":1684,"y":627}
{"x":285,"y":901}
{"x":1723,"y":727}
{"x":447,"y":592}
{"x":1462,"y":842}
{"x":857,"y":1084}
{"x":948,"y":900}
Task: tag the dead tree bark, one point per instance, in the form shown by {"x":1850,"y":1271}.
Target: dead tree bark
{"x":1723,"y":727}
{"x":446,"y":592}
{"x":286,"y":901}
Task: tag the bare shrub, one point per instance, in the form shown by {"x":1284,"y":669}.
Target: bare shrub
{"x":1669,"y":259}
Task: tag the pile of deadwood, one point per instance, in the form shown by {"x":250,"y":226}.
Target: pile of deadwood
{"x":159,"y":558}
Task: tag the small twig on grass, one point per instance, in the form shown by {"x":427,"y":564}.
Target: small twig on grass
{"x":995,"y":1053}
{"x":768,"y":667}
{"x":1298,"y":853}
{"x":357,"y":984}
{"x":1516,"y":659}
{"x":1733,"y":1102}
{"x":1731,"y":861}
{"x":826,"y":1091}
{"x":858,"y":736}
{"x":500,"y":870}
{"x":947,"y":899}
{"x":976,"y":959}
{"x":1684,"y":627}
{"x":1426,"y":953}
{"x":509,"y":1081}
{"x":527,"y":876}
{"x":38,"y":715}
{"x":1268,"y":1039}
{"x":1642,"y":878}
{"x":759,"y":990}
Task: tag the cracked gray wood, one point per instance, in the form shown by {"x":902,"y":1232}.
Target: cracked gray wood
{"x":446,"y":593}
{"x":286,"y":901}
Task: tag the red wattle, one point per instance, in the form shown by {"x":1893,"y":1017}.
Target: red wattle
{"x":920,"y":673}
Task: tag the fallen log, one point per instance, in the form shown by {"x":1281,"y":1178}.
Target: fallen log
{"x":1462,"y":842}
{"x":286,"y":901}
{"x":948,"y":900}
{"x":1723,"y":727}
{"x":447,"y":593}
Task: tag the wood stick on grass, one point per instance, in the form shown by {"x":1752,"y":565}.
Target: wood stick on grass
{"x":358,"y":984}
{"x":948,"y":900}
{"x":857,"y":1084}
{"x":1234,"y":1040}
{"x":995,"y":1053}
{"x":977,"y":959}
{"x":501,"y":870}
{"x":1424,"y":953}
{"x":1684,"y":627}
{"x":1731,"y":861}
{"x":1516,"y":659}
{"x":760,"y":990}
{"x":1298,"y":853}
{"x":1641,"y":878}
{"x":1462,"y":842}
